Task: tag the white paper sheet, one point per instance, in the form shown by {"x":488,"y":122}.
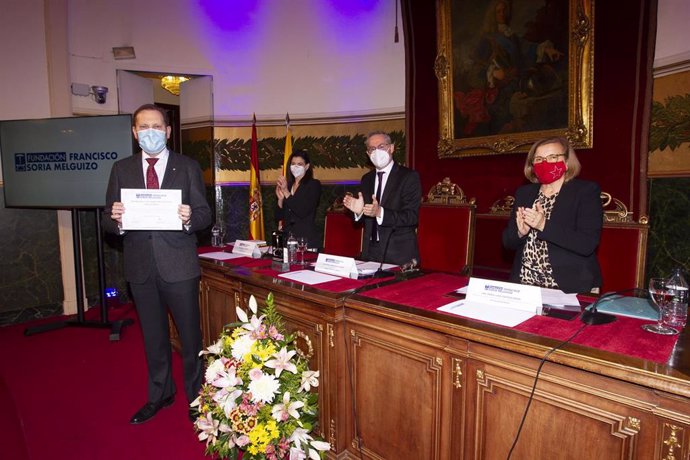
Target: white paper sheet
{"x":553,"y":297}
{"x":309,"y":277}
{"x":219,"y":255}
{"x":491,"y":314}
{"x":151,"y":209}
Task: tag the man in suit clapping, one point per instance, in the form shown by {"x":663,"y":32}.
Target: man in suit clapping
{"x":389,"y":204}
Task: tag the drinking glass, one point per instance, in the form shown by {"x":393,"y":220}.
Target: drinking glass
{"x":661,"y":296}
{"x":301,"y":249}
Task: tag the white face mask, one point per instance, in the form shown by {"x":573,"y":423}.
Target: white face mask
{"x":152,"y":141}
{"x":297,"y":170}
{"x":380,"y":158}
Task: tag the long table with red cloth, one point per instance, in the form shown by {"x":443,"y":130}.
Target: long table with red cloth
{"x":423,"y":295}
{"x":384,"y":344}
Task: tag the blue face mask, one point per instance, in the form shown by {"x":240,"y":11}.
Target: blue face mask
{"x":152,"y":141}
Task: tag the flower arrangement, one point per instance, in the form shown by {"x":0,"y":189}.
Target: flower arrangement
{"x":255,"y":402}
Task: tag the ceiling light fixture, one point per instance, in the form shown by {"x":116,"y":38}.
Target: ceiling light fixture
{"x":172,"y":83}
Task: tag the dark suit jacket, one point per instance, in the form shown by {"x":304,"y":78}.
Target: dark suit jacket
{"x":572,"y":234}
{"x":400,"y":201}
{"x":299,"y":211}
{"x":173,"y":252}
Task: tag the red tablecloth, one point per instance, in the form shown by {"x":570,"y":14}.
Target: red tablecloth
{"x":624,"y":336}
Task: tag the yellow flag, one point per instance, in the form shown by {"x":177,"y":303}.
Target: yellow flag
{"x":256,"y":214}
{"x":288,"y":145}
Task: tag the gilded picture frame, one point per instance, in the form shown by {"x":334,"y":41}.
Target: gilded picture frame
{"x":511,"y":72}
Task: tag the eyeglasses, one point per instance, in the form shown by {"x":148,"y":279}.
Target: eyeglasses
{"x":549,"y":158}
{"x":383,"y":146}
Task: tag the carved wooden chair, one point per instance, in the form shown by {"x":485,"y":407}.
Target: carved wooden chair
{"x":446,"y":229}
{"x":342,"y":236}
{"x":622,"y":250}
{"x":491,"y":259}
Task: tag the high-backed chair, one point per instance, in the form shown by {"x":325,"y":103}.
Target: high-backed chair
{"x":446,"y":229}
{"x":342,"y":236}
{"x":491,"y":259}
{"x":622,"y":248}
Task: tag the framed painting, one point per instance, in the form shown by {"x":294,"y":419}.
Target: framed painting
{"x":511,"y":72}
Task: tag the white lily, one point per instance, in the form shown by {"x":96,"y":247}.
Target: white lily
{"x":321,"y":445}
{"x":297,"y":454}
{"x":226,"y":378}
{"x":282,"y":412}
{"x":241,"y":315}
{"x":253,"y":306}
{"x":215,"y":349}
{"x":282,"y":361}
{"x":309,"y":379}
{"x":299,"y":436}
{"x":208,"y":427}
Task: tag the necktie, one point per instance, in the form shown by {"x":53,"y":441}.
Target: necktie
{"x":151,"y":176}
{"x":379,"y":188}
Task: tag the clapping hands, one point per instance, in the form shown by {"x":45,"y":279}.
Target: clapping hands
{"x":530,"y":218}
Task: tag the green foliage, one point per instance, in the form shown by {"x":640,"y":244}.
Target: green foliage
{"x":201,"y":151}
{"x":670,"y":125}
{"x":334,"y":152}
{"x":669,"y":212}
{"x":273,"y":318}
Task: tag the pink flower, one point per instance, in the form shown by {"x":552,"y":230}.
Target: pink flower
{"x":242,"y":440}
{"x":283,"y":412}
{"x":255,"y":374}
{"x":282,"y":361}
{"x":274,"y":334}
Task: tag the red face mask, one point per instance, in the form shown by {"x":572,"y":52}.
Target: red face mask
{"x":549,"y":172}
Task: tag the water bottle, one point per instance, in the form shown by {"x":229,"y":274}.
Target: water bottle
{"x":678,"y":306}
{"x":292,"y":249}
{"x":217,"y":236}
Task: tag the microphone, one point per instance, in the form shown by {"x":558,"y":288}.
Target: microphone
{"x":593,"y":317}
{"x":381,"y":273}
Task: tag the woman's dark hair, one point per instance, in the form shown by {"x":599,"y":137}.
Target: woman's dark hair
{"x":308,"y":174}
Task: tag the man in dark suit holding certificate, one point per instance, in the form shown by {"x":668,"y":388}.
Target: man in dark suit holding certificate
{"x":389,"y":204}
{"x":162,"y":267}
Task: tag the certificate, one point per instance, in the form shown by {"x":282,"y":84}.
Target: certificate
{"x":151,"y":209}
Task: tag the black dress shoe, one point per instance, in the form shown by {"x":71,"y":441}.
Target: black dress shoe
{"x":150,"y":409}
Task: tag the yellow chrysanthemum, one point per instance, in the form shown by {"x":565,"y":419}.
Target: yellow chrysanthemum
{"x":272,"y":429}
{"x":259,"y":436}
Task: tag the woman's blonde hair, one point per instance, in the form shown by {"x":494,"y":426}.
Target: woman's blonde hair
{"x":571,"y":161}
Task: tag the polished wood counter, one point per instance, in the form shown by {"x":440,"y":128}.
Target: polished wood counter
{"x":398,"y":382}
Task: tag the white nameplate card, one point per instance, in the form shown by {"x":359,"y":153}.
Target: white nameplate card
{"x":504,"y":295}
{"x":336,"y":265}
{"x":247,"y":248}
{"x":507,"y":304}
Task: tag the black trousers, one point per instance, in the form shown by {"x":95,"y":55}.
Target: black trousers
{"x":153,"y":299}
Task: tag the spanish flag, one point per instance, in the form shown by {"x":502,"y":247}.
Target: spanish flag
{"x":288,"y":145}
{"x":256,"y":215}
